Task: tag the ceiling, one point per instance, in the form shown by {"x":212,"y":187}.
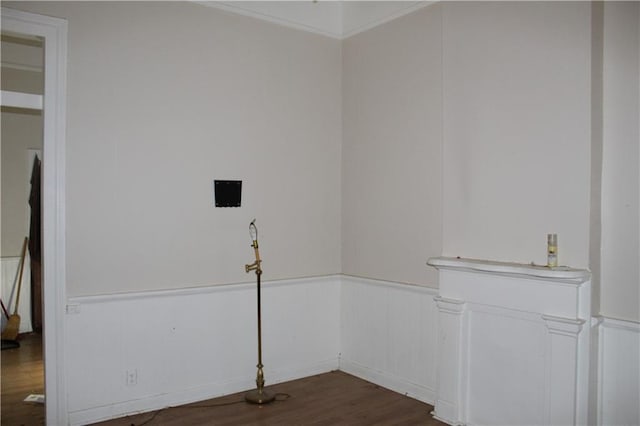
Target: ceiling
{"x":337,"y":19}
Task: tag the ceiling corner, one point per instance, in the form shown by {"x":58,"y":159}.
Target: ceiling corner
{"x":335,"y":19}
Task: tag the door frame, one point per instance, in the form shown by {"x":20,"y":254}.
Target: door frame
{"x":54,"y":33}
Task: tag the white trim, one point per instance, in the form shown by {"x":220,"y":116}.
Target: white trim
{"x":393,"y":284}
{"x":559,"y":274}
{"x":240,"y":9}
{"x":600,"y":368}
{"x":54,"y":33}
{"x":244,"y":9}
{"x":565,"y":326}
{"x":405,"y":11}
{"x":628,"y":325}
{"x":595,"y":366}
{"x":21,"y":100}
{"x":218,"y":288}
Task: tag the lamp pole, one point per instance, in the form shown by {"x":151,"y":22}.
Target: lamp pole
{"x":258,"y":395}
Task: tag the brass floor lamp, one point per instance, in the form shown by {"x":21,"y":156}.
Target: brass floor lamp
{"x":258,"y":395}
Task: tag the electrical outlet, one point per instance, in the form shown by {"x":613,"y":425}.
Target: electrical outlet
{"x":73,"y":308}
{"x":132,"y":377}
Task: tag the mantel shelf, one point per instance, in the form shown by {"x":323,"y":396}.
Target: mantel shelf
{"x":523,"y":270}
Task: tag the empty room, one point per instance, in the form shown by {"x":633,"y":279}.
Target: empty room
{"x":322,"y":212}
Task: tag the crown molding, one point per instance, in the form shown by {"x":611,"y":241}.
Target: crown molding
{"x":338,"y":20}
{"x":246,"y":8}
{"x":403,"y":8}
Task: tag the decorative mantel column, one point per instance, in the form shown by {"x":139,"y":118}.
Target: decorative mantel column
{"x":448,"y":358}
{"x":512,"y":349}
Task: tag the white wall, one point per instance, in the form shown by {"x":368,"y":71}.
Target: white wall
{"x":516,"y":130}
{"x":391,"y":186}
{"x":163,"y":98}
{"x":166,"y":97}
{"x":620,"y":285}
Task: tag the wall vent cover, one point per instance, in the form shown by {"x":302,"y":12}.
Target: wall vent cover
{"x":227,"y":193}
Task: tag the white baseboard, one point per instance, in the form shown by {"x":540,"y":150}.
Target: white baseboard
{"x":300,"y":371}
{"x":156,"y":402}
{"x":199,"y":393}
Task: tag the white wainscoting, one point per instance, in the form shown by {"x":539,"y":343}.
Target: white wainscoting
{"x":9,"y":274}
{"x":619,"y":373}
{"x":181,"y":346}
{"x":193,"y":344}
{"x":389,"y":333}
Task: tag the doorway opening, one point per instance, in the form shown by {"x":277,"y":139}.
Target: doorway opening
{"x":21,"y":257}
{"x":52,"y":33}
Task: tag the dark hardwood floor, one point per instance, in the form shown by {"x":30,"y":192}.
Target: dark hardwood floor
{"x":334,"y":398}
{"x":22,"y":374}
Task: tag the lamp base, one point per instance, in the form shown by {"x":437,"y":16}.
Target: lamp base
{"x":259,"y":396}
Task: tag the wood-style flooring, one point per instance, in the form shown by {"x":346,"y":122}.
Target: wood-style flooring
{"x":329,"y":399}
{"x":22,"y":374}
{"x":334,"y":398}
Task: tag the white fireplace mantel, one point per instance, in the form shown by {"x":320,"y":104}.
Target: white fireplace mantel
{"x":513,"y":348}
{"x":561,"y":274}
